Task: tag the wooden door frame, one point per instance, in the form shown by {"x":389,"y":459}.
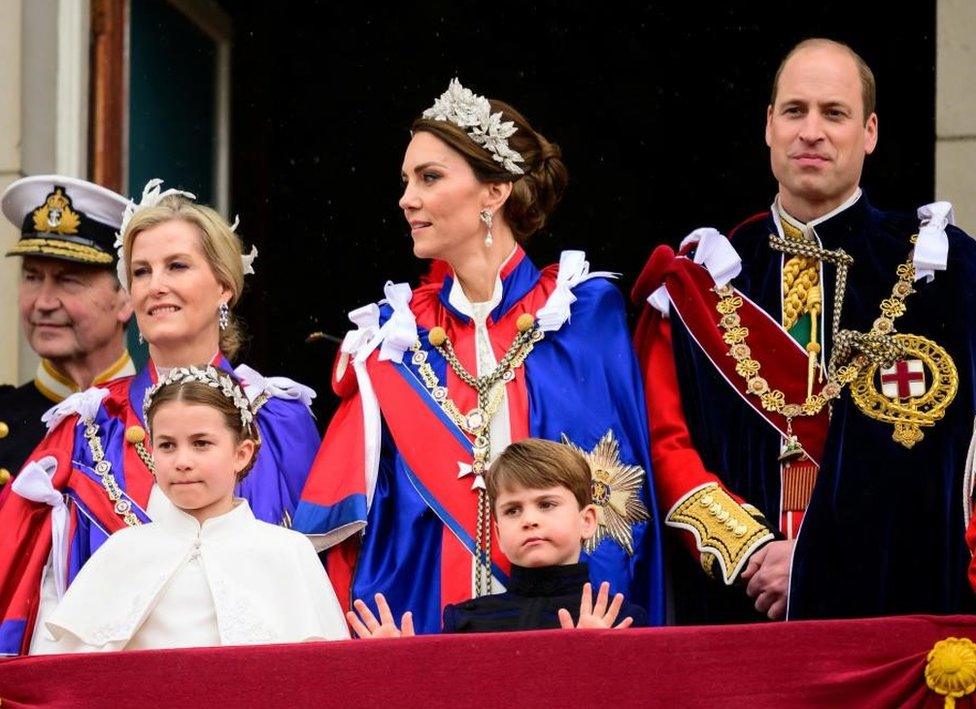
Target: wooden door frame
{"x":109,"y":93}
{"x":109,"y":135}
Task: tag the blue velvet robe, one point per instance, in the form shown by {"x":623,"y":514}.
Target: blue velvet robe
{"x":884,"y":531}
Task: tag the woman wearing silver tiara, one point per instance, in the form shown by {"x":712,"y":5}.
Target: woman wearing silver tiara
{"x":437,"y":381}
{"x":183,"y":265}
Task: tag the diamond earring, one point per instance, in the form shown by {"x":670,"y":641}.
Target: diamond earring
{"x":223,"y":316}
{"x":142,"y":340}
{"x":486,"y":217}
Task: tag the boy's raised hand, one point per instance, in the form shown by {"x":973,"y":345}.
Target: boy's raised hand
{"x":596,"y":616}
{"x":365,"y":624}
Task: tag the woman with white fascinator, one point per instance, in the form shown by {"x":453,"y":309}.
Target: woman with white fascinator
{"x":437,"y":381}
{"x":184,"y":267}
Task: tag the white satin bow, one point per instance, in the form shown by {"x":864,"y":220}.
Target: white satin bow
{"x":400,"y":331}
{"x":84,"y":403}
{"x":660,"y":301}
{"x":396,"y":335}
{"x":573,"y":270}
{"x":279,"y":387}
{"x":715,"y":252}
{"x":34,"y":483}
{"x":358,"y":344}
{"x":367,"y":322}
{"x":932,"y":245}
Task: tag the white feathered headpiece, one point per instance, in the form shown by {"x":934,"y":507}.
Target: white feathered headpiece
{"x":151,"y":196}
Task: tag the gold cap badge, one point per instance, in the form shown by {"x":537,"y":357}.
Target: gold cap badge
{"x":56,"y":215}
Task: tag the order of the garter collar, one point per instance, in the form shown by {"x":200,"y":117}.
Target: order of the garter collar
{"x":472,"y":112}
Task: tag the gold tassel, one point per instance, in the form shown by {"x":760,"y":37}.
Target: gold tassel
{"x":813,"y":347}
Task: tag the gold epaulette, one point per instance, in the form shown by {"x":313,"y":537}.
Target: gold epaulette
{"x":724,"y":530}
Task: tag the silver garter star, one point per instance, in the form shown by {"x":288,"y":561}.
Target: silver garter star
{"x":616,"y":493}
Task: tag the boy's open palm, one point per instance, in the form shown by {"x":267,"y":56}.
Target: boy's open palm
{"x":600,"y":615}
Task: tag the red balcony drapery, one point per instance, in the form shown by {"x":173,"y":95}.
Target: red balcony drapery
{"x":876,"y":662}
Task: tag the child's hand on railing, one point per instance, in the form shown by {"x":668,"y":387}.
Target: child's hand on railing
{"x":365,"y":624}
{"x":596,"y":616}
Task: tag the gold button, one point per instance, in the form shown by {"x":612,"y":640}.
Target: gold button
{"x":437,"y":336}
{"x":4,"y":476}
{"x":4,"y":429}
{"x":135,"y":434}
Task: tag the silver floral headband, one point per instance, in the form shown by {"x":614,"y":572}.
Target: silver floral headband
{"x":151,"y":196}
{"x":212,"y":377}
{"x":472,"y":112}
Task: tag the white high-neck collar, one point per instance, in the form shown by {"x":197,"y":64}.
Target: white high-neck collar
{"x":173,"y":519}
{"x":781,"y":213}
{"x":460,"y":302}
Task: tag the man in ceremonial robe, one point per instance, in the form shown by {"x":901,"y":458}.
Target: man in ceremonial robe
{"x":72,"y":307}
{"x":810,"y":381}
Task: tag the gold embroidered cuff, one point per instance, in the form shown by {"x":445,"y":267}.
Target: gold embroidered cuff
{"x":722,"y":527}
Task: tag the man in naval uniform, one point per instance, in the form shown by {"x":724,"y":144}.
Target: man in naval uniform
{"x":72,"y":307}
{"x":810,"y":381}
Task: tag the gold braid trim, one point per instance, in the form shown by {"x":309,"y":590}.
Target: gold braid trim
{"x":800,"y":274}
{"x":722,"y":528}
{"x":57,"y":247}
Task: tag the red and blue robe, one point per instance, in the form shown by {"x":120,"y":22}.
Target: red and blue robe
{"x":884,"y":531}
{"x":396,"y":479}
{"x":289,"y":442}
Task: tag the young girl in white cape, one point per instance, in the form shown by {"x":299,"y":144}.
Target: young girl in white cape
{"x":205,"y":571}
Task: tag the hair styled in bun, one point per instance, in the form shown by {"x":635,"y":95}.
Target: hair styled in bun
{"x":535,"y":193}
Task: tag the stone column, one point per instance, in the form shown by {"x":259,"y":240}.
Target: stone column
{"x":11,"y":165}
{"x":955,"y":99}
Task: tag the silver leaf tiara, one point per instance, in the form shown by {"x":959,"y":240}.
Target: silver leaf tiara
{"x":472,"y":112}
{"x":212,"y":377}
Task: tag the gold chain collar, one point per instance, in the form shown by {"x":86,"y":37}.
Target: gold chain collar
{"x":477,"y":421}
{"x":851,"y":352}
